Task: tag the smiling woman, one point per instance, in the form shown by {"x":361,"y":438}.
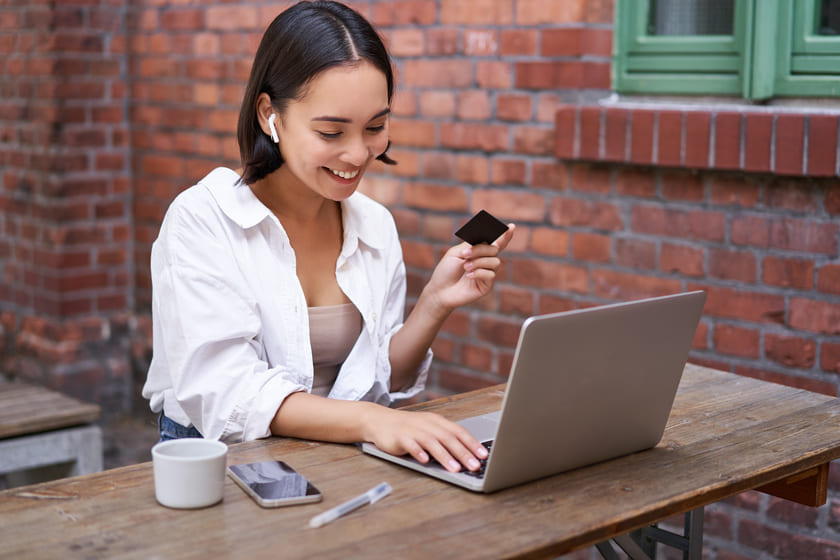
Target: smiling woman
{"x":279,"y":290}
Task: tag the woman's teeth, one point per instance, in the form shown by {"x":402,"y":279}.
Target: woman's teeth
{"x":345,"y":174}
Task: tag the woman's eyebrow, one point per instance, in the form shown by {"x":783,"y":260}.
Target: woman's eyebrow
{"x":325,"y":118}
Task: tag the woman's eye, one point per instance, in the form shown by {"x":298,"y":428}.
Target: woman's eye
{"x":376,"y":129}
{"x":329,"y":135}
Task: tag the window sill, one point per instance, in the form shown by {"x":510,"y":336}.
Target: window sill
{"x":758,"y":139}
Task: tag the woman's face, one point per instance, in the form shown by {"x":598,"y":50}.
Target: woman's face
{"x":330,"y":136}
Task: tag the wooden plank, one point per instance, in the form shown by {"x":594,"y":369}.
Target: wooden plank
{"x":808,"y":488}
{"x":27,"y":409}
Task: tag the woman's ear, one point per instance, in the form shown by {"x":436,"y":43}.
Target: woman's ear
{"x":264,"y":112}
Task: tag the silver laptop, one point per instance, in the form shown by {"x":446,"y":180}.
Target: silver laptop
{"x":585,"y":386}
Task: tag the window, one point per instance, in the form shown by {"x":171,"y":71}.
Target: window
{"x":749,"y":48}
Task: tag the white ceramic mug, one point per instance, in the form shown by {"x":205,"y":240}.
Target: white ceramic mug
{"x":189,"y":472}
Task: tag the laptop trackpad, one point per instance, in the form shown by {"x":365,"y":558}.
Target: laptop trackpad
{"x":483,"y":427}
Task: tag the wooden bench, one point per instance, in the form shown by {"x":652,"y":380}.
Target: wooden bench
{"x":46,"y":435}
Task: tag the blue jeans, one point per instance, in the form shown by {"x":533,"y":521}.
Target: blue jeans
{"x":170,"y":429}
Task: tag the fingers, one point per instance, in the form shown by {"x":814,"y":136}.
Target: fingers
{"x":426,"y":435}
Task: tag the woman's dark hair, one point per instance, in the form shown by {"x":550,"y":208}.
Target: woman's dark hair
{"x":301,"y":42}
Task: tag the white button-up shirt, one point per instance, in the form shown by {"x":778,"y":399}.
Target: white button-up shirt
{"x":229,"y":318}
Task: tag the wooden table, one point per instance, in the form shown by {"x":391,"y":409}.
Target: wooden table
{"x":726,"y":434}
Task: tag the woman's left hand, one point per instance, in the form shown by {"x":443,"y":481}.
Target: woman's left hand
{"x":467,"y":272}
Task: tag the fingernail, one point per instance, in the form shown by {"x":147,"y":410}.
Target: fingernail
{"x":482,"y":452}
{"x":473,"y":464}
{"x":454,"y":465}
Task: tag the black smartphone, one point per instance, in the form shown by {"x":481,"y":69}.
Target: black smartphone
{"x":482,"y":228}
{"x":274,"y":484}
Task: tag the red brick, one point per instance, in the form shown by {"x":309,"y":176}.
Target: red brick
{"x":435,"y":197}
{"x":630,"y":181}
{"x":778,"y":543}
{"x":494,"y":74}
{"x":516,"y":301}
{"x":568,"y":212}
{"x":533,"y":140}
{"x":596,"y":75}
{"x":790,"y":351}
{"x":669,"y":138}
{"x":788,"y":272}
{"x":481,"y":42}
{"x":477,"y":12}
{"x":437,"y":165}
{"x":596,"y":42}
{"x":474,"y":105}
{"x":641,"y":137}
{"x":182,"y":19}
{"x":564,"y":41}
{"x":407,"y":42}
{"x":591,"y":178}
{"x":508,"y":171}
{"x":697,"y":138}
{"x":822,"y":145}
{"x":521,"y":42}
{"x":682,"y":259}
{"x":790,"y":136}
{"x":815,"y":315}
{"x":830,"y":357}
{"x":731,"y":190}
{"x":733,"y":265}
{"x":552,"y":175}
{"x":803,"y":235}
{"x":471,"y":169}
{"x":477,"y":357}
{"x":437,"y":73}
{"x":227,"y":18}
{"x":736,"y":341}
{"x":727,"y":141}
{"x":745,"y":305}
{"x":437,"y":103}
{"x":590,"y":132}
{"x":474,"y":136}
{"x":566,"y":131}
{"x":499,"y":332}
{"x":550,"y":275}
{"x":514,"y":107}
{"x":412,"y":132}
{"x":689,"y":224}
{"x":441,"y":41}
{"x":593,"y":247}
{"x":538,"y":75}
{"x":792,"y":195}
{"x":535,"y":12}
{"x":635,"y":253}
{"x":750,"y":230}
{"x":623,"y":286}
{"x":550,"y":241}
{"x":405,"y":12}
{"x":682,"y":186}
{"x":758,"y":134}
{"x":508,"y":205}
{"x":828,"y":278}
{"x":615,"y":133}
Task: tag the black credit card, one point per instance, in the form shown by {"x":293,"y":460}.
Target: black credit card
{"x":481,"y":228}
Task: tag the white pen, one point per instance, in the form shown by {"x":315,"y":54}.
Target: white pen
{"x":371,"y":496}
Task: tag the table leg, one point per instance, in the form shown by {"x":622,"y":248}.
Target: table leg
{"x":641,"y":545}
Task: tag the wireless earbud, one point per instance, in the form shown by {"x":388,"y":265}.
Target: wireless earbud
{"x":273,"y":130}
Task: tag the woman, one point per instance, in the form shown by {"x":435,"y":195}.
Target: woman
{"x":278,"y":290}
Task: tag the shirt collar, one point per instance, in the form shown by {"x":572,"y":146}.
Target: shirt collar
{"x":242,"y":206}
{"x":235,"y":199}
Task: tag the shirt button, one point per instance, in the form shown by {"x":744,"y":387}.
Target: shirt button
{"x":373,"y":317}
{"x":344,"y":267}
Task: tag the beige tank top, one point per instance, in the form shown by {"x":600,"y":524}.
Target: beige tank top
{"x":333,"y":330}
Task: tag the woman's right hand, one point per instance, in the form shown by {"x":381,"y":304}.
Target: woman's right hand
{"x":423,"y":435}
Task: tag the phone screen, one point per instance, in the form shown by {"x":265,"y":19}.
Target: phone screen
{"x":274,"y":483}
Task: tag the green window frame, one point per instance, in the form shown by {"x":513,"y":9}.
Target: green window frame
{"x":774,"y":50}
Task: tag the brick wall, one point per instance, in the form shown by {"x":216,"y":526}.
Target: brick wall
{"x":65,"y":196}
{"x":498,"y":107}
